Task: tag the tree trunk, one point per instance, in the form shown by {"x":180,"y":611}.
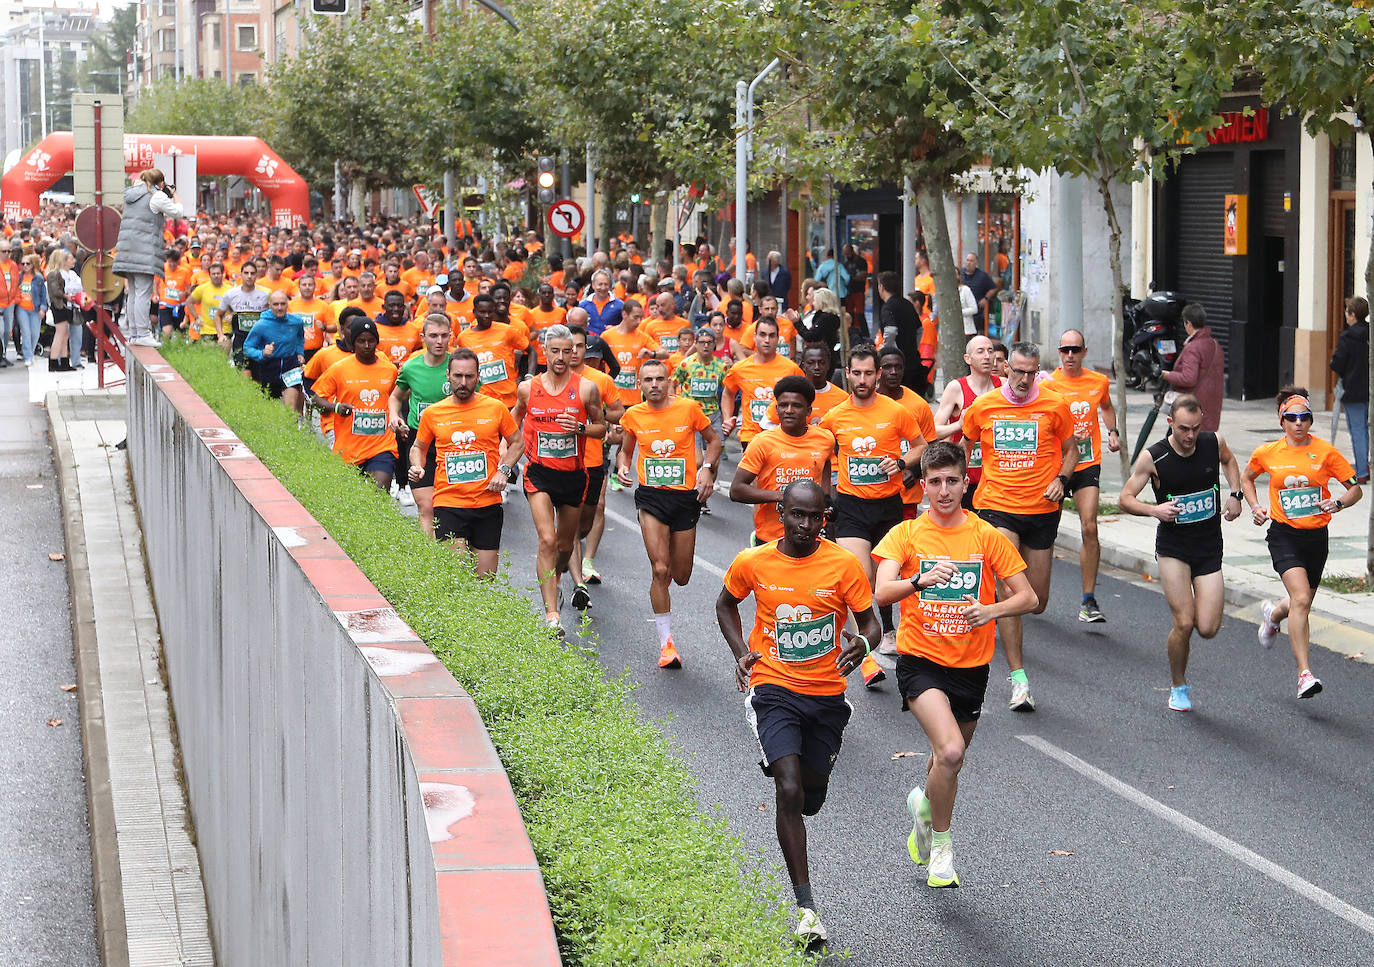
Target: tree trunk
{"x":659,"y":226}
{"x":607,"y":225}
{"x":1369,"y":292}
{"x":949,"y":346}
{"x":1104,"y":186}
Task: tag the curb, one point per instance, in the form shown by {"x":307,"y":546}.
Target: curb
{"x":111,"y":930}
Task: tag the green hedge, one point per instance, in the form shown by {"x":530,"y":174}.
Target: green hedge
{"x":636,"y":872}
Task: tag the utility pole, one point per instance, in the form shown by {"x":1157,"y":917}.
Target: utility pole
{"x":744,"y":135}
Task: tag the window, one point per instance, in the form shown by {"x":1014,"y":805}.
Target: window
{"x":247,"y":36}
{"x":167,"y":40}
{"x":1343,"y":164}
{"x":214,"y":35}
{"x":167,"y":8}
{"x":247,"y":79}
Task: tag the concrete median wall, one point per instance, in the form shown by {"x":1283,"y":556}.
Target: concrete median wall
{"x":348,"y":803}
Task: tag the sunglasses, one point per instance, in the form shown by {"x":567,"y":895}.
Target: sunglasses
{"x":1071,"y":349}
{"x":1305,"y":417}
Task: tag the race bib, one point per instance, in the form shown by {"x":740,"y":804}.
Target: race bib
{"x":492,"y":372}
{"x":967,"y":580}
{"x":1085,"y":450}
{"x":552,"y":445}
{"x":1195,"y":508}
{"x":627,"y":379}
{"x":805,"y":640}
{"x":1300,"y":502}
{"x":758,"y":409}
{"x":172,"y":293}
{"x":669,"y":343}
{"x":465,"y":467}
{"x":292,"y":377}
{"x":1015,"y":436}
{"x":665,"y":472}
{"x":864,"y":472}
{"x":703,"y":388}
{"x":246,"y":320}
{"x":369,"y":422}
{"x":784,"y":350}
{"x":975,"y":459}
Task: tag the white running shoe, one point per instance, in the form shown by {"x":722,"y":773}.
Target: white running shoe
{"x":1308,"y":684}
{"x":918,"y":843}
{"x":942,"y":866}
{"x":1021,"y":700}
{"x":149,"y":340}
{"x":1268,"y":630}
{"x":809,"y":930}
{"x":888,"y":646}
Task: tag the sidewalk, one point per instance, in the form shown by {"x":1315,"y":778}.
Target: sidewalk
{"x":1341,"y":622}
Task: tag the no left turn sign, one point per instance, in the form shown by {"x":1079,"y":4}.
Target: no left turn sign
{"x":566,"y":218}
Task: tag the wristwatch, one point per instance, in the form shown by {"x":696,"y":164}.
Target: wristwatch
{"x":711,"y":467}
{"x":1236,"y":494}
{"x":505,"y":471}
{"x":915,"y":578}
{"x":1062,"y":479}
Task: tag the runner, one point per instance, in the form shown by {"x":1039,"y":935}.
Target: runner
{"x":171,"y":292}
{"x":239,"y":311}
{"x":321,"y":326}
{"x":543,"y":316}
{"x":792,"y":668}
{"x":632,"y":346}
{"x":557,"y":411}
{"x":1087,"y":393}
{"x":275,"y":350}
{"x":950,"y":560}
{"x":368,"y":299}
{"x":787,"y":331}
{"x":1182,"y":469}
{"x":466,"y":445}
{"x":588,"y":357}
{"x":958,"y":394}
{"x":496,"y":346}
{"x":1029,"y":451}
{"x":666,"y":325}
{"x":203,"y":305}
{"x":399,"y":336}
{"x":671,"y":488}
{"x":326,"y":357}
{"x":796,"y":450}
{"x":877,"y":440}
{"x":753,"y":378}
{"x":421,"y":382}
{"x":357,"y":389}
{"x":1300,"y":467}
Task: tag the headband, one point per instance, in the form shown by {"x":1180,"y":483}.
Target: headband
{"x":1296,"y":396}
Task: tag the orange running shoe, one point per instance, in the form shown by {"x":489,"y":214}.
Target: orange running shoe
{"x":668,"y":656}
{"x":873,"y":672}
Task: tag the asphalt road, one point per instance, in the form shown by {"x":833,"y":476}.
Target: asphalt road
{"x":46,"y":917}
{"x":1101,"y":829}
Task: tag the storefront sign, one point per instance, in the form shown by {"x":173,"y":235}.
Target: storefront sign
{"x":1237,"y":226}
{"x":1238,"y":127}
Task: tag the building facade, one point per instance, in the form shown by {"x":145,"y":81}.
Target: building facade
{"x":187,"y":38}
{"x":39,"y":54}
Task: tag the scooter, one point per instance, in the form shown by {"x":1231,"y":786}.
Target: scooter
{"x":1151,"y":337}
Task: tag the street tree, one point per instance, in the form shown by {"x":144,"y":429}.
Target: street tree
{"x":1102,"y":91}
{"x":197,"y":106}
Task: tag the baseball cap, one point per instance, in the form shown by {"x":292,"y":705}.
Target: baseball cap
{"x":361,"y":326}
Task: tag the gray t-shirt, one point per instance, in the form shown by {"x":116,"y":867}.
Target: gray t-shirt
{"x":247,"y":307}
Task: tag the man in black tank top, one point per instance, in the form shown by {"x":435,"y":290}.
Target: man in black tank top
{"x":1183,"y":469}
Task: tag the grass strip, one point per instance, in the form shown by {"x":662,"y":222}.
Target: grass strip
{"x":636,"y":871}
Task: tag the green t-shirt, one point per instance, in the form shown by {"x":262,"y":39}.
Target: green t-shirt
{"x":427,"y":384}
{"x":701,"y":382}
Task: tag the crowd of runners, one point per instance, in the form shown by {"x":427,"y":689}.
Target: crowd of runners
{"x":453,"y":372}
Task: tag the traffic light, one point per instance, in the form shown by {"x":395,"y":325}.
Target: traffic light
{"x":545,"y":180}
{"x":635,"y":198}
{"x":329,"y":6}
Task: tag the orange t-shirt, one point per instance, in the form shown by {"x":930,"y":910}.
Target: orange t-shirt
{"x":420,"y":283}
{"x":1022,"y":449}
{"x":496,"y":347}
{"x":467,"y":444}
{"x":539,"y":320}
{"x":372,"y":307}
{"x":1297,"y":479}
{"x":776,"y":459}
{"x":925,"y":419}
{"x":1084,"y":396}
{"x":595,"y":454}
{"x":826,"y":400}
{"x":396,"y":343}
{"x":754,"y":381}
{"x":173,"y":290}
{"x":320,"y":314}
{"x":933,"y":625}
{"x":864,"y":435}
{"x":787,"y":337}
{"x":366,"y":388}
{"x":665,"y":442}
{"x":800,"y":605}
{"x":666,"y":330}
{"x":402,"y":286}
{"x":282,"y":284}
{"x":626,"y":347}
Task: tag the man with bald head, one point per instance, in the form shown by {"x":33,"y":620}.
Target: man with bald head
{"x":958,"y":394}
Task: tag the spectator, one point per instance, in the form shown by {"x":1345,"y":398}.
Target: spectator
{"x":1351,"y":363}
{"x":983,"y":287}
{"x":139,"y":251}
{"x":779,"y":279}
{"x":10,"y":272}
{"x":901,"y":327}
{"x":1201,"y":367}
{"x":857,"y":267}
{"x":833,"y":275}
{"x":32,"y":305}
{"x":822,"y":323}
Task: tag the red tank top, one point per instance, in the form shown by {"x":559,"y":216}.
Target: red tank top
{"x":975,"y":474}
{"x":547,"y":443}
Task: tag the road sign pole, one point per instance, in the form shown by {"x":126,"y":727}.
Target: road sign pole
{"x":99,"y":252}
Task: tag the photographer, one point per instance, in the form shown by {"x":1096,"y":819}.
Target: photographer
{"x":139,"y":252}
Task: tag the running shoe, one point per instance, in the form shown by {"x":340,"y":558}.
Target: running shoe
{"x":1268,"y":630}
{"x":589,"y":572}
{"x":1090,"y":613}
{"x":1179,"y":700}
{"x":551,"y":623}
{"x":942,"y":866}
{"x":1021,"y":700}
{"x":918,"y":843}
{"x":582,"y":598}
{"x":706,"y":509}
{"x":1308,"y":684}
{"x":888,"y":646}
{"x":809,"y":930}
{"x":873,"y":672}
{"x":668,"y":656}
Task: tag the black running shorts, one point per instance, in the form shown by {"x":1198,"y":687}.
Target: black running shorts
{"x":790,"y":723}
{"x":964,"y":687}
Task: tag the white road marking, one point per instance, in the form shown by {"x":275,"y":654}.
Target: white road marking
{"x":1352,"y":915}
{"x":698,"y":560}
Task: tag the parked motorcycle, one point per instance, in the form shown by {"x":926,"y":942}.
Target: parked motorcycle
{"x":1152,"y":334}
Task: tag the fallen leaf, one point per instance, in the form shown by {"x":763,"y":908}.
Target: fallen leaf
{"x":1061,"y":852}
{"x":763,"y":807}
{"x":69,"y":688}
{"x":1149,"y":577}
{"x":1355,"y":657}
{"x":54,"y":723}
{"x":906,"y":755}
{"x":55,"y":556}
{"x":1171,"y":787}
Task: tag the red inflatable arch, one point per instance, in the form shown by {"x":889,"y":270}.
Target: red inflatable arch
{"x":51,"y":158}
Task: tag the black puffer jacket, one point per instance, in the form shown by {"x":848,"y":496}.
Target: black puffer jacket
{"x":1351,"y":362}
